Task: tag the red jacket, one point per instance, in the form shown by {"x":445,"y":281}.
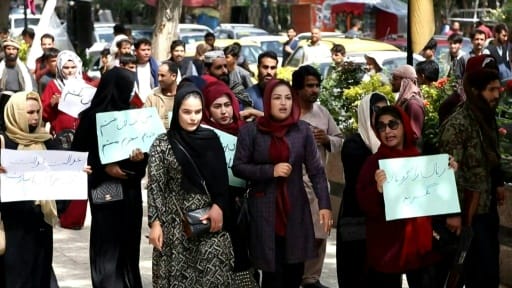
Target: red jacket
{"x":58,"y":119}
{"x":386,"y":240}
{"x":395,"y":246}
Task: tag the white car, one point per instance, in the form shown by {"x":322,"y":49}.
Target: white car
{"x":269,"y":43}
{"x":17,"y":23}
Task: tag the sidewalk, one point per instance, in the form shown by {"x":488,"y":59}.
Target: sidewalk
{"x":71,"y":257}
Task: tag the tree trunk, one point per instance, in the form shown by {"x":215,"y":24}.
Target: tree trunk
{"x":166,"y":27}
{"x":4,"y":13}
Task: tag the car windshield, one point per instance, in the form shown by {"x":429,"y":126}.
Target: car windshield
{"x":21,"y":22}
{"x":191,"y":38}
{"x":252,"y":32}
{"x":251,"y":52}
{"x":104,"y":36}
{"x":274,"y":46}
{"x":140,"y":34}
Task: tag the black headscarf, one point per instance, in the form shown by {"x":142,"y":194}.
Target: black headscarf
{"x":113,"y":94}
{"x":205,"y":149}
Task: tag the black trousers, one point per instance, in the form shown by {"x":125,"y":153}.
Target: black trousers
{"x":29,"y":247}
{"x":481,"y":269}
{"x":115,"y":241}
{"x":419,"y":278}
{"x":351,"y":263}
{"x":287,"y":275}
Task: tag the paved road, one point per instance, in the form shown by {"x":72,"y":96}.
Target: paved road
{"x":71,"y":257}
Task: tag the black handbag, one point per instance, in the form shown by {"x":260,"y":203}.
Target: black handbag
{"x":106,"y":192}
{"x":192,"y":225}
{"x":65,"y":138}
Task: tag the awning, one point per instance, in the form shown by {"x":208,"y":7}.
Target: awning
{"x":200,"y":3}
{"x":348,"y":8}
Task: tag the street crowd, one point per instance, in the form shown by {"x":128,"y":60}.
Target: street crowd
{"x":271,"y":232}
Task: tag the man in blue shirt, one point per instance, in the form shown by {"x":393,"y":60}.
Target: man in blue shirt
{"x":267,"y":69}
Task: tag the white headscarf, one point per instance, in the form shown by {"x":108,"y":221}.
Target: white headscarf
{"x":364,"y":124}
{"x":63,"y":57}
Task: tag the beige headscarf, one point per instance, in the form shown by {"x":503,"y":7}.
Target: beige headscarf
{"x":408,"y":87}
{"x":17,"y":129}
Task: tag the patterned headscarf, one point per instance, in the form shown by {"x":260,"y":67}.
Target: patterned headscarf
{"x":63,"y":57}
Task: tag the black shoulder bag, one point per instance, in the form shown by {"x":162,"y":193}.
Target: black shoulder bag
{"x":193,"y":226}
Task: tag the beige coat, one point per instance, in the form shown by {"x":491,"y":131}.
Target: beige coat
{"x":162,"y":103}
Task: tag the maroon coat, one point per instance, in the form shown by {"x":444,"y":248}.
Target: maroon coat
{"x":252,"y":162}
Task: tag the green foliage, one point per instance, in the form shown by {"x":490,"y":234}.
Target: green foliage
{"x":332,"y":94}
{"x":504,"y":120}
{"x":23,"y":51}
{"x":433,"y":96}
{"x":354,"y":94}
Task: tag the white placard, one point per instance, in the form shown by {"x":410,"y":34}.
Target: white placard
{"x":76,"y":97}
{"x":43,"y":175}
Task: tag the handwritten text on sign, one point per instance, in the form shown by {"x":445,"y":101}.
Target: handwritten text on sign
{"x":43,"y":175}
{"x":419,"y":186}
{"x":229,"y":143}
{"x":122,"y":131}
{"x":76,"y":97}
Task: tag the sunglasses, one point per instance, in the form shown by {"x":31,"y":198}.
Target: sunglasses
{"x":392,"y":124}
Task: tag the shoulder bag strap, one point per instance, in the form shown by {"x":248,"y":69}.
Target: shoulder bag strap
{"x":203,"y":183}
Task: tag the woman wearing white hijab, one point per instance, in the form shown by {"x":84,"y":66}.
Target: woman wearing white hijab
{"x":350,"y":232}
{"x":69,"y":72}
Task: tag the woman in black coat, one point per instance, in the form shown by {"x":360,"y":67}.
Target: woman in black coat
{"x":115,"y":226}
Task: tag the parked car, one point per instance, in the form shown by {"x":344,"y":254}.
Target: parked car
{"x":103,"y":32}
{"x":186,"y":28}
{"x":443,"y":45}
{"x":307,"y":35}
{"x":388,"y":60}
{"x":353,"y":46}
{"x":237,"y":31}
{"x":17,"y":23}
{"x":250,"y":51}
{"x":141,"y":31}
{"x":269,"y":43}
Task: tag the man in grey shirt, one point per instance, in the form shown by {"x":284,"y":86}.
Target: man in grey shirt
{"x":14,"y":75}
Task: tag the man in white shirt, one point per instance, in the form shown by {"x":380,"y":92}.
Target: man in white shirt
{"x":147,"y":69}
{"x":315,"y":51}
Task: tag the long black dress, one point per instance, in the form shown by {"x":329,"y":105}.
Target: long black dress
{"x":115,"y":227}
{"x":29,"y":240}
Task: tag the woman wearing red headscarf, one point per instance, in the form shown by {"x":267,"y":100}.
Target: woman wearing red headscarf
{"x":270,"y":154}
{"x":220,"y":111}
{"x":398,"y":246}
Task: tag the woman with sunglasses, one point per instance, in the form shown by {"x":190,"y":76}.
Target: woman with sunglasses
{"x":398,"y":246}
{"x":350,"y":233}
{"x":270,"y":153}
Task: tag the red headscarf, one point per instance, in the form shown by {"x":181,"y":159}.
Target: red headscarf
{"x":279,"y":150}
{"x":418,"y":231}
{"x":213,"y":91}
{"x":267,"y":123}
